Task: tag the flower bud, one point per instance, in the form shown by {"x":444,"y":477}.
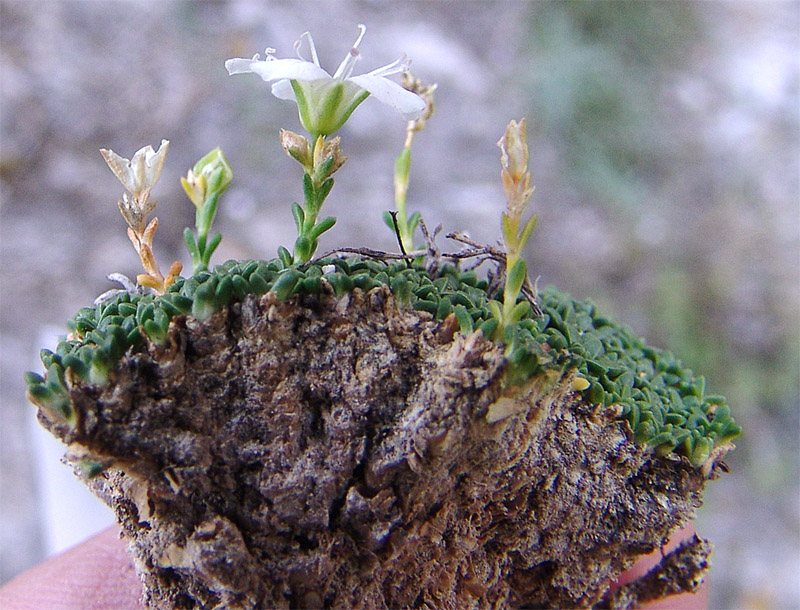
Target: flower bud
{"x":328,"y":157}
{"x":195,"y":187}
{"x":296,"y":146}
{"x":216,"y":170}
{"x":514,"y":150}
{"x":210,"y":175}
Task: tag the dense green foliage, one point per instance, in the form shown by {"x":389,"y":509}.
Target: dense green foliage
{"x":663,"y":402}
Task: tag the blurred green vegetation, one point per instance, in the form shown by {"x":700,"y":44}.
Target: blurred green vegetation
{"x":596,"y":87}
{"x":707,"y":277}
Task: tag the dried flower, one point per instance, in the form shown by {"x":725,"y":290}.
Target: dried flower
{"x":296,"y":146}
{"x":138,"y":175}
{"x":514,"y":163}
{"x":426,"y":92}
{"x":328,"y":157}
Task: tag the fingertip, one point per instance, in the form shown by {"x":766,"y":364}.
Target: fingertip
{"x":95,"y":575}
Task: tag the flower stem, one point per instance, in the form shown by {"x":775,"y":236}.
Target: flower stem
{"x":319,"y":166}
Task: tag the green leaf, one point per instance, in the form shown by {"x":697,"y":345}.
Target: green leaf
{"x":55,"y":375}
{"x":204,"y":305}
{"x":489,"y":327}
{"x":324,"y":191}
{"x":509,"y":231}
{"x":308,"y":191}
{"x":322,"y":226}
{"x":522,"y":309}
{"x":402,"y":165}
{"x":258,"y":284}
{"x":303,"y":248}
{"x":240,"y":286}
{"x":444,"y":309}
{"x":39,"y":392}
{"x":211,"y":246}
{"x":324,"y":169}
{"x":341,"y":282}
{"x":428,"y":306}
{"x":401,"y":289}
{"x":133,"y":337}
{"x":285,"y":256}
{"x":285,"y":284}
{"x":701,"y":451}
{"x":224,"y":290}
{"x":183,"y":303}
{"x":78,"y":367}
{"x":464,"y":320}
{"x":99,"y":367}
{"x":595,"y":394}
{"x":48,"y":357}
{"x":496,"y":310}
{"x":299,"y":216}
{"x":515,"y":278}
{"x":90,"y":468}
{"x":206,"y":215}
{"x":127,"y":309}
{"x":413,"y":222}
{"x":310,"y":285}
{"x":32,"y":378}
{"x":388,"y":220}
{"x":191,"y":244}
{"x":526,"y":231}
{"x":167,"y":305}
{"x":156,"y":333}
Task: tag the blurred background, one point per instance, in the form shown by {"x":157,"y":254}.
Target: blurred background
{"x":664,"y":149}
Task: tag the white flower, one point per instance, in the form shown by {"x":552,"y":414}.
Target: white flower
{"x":325,"y":102}
{"x":138,"y":176}
{"x":141,"y":172}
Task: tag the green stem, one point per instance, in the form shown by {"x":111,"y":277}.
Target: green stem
{"x":401,"y":172}
{"x":204,"y":217}
{"x":316,"y":186}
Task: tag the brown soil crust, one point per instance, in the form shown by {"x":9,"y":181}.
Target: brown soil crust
{"x":342,"y":452}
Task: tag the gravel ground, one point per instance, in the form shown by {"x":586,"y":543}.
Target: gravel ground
{"x":664,"y":142}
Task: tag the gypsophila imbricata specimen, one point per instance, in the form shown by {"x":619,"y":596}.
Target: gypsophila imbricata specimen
{"x":399,"y":388}
{"x":324,"y":103}
{"x":547,"y":335}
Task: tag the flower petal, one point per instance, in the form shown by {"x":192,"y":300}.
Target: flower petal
{"x":409,"y":104}
{"x":277,"y":69}
{"x":238,"y":65}
{"x":121,"y":168}
{"x":154,"y":162}
{"x":283,"y":90}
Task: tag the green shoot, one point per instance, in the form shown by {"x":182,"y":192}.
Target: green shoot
{"x":516,"y":184}
{"x":204,"y":183}
{"x":405,"y":224}
{"x":320,"y":161}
